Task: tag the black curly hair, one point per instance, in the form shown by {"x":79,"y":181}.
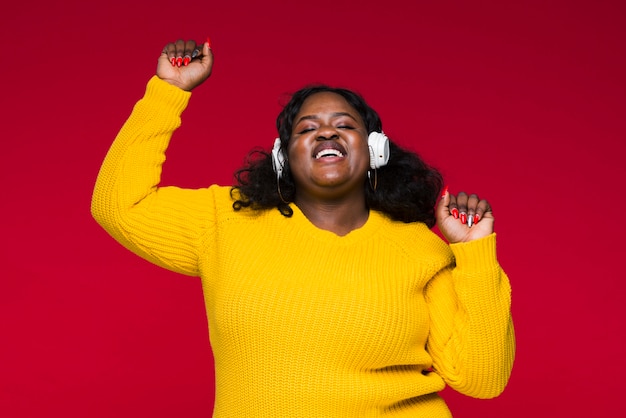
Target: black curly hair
{"x":406,"y":188}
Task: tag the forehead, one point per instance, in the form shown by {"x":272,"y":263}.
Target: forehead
{"x":326,"y":102}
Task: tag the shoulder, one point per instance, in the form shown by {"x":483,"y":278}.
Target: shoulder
{"x":417,"y":241}
{"x":223,"y":198}
{"x":221,"y":194}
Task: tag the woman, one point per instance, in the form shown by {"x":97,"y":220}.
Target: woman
{"x":326,"y":293}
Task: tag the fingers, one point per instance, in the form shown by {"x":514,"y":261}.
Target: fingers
{"x":469,"y":209}
{"x":196,"y":51}
{"x":443,"y":210}
{"x":185,"y":64}
{"x":181,"y":52}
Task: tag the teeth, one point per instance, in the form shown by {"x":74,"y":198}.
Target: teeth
{"x":328,"y":153}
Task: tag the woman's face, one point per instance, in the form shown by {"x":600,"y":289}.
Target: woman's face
{"x":328,"y":152}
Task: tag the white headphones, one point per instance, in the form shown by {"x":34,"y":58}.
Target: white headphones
{"x":377,"y":142}
{"x":278,"y":158}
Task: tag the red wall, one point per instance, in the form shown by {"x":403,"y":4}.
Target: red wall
{"x":523,"y":103}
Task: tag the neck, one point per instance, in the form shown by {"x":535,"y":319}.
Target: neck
{"x":340,"y":217}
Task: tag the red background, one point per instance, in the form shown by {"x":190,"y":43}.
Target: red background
{"x":521,"y":102}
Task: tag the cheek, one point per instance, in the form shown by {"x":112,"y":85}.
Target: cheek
{"x":298,"y":161}
{"x":298,"y":151}
{"x":293,"y":153}
{"x":364,"y":157}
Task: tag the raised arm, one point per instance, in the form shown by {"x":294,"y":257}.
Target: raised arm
{"x":472,"y":339}
{"x":161,"y":224}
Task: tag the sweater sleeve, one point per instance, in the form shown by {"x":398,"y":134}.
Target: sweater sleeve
{"x":161,"y":224}
{"x":471,"y":340}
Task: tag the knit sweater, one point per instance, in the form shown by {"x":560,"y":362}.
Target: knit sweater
{"x":303,"y":322}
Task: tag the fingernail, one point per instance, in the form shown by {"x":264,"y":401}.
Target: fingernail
{"x":173,"y":61}
{"x":195,"y":53}
{"x":445,"y":190}
{"x":455,"y":213}
{"x":463,"y":218}
{"x":186,"y":60}
{"x":208,"y":42}
{"x":476,"y":218}
{"x":470,"y":221}
{"x":179,"y":61}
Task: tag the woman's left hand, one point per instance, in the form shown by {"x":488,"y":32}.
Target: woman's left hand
{"x":463,"y":218}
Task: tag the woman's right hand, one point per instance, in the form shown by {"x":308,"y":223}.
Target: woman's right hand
{"x":185,"y":64}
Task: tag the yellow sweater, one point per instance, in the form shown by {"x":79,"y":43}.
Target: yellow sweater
{"x":302,"y":322}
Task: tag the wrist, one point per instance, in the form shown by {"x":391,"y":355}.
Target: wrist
{"x":170,"y":98}
{"x":478,"y":254}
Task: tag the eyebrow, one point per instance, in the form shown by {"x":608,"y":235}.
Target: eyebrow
{"x":334,"y":115}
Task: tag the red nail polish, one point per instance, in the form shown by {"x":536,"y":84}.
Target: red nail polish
{"x":463,"y":218}
{"x":208,"y":42}
{"x":455,"y":213}
{"x":186,"y":61}
{"x":173,"y":61}
{"x":179,"y":61}
{"x":445,"y":190}
{"x":476,"y":218}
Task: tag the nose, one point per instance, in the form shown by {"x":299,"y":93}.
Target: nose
{"x":326,"y":132}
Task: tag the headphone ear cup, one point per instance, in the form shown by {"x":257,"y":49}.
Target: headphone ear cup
{"x":378,"y":144}
{"x":278,"y":158}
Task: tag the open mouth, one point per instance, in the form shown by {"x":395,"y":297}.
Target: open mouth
{"x":329,"y":150}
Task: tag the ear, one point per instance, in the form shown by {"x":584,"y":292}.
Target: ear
{"x":378,"y":144}
{"x":278,"y":158}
